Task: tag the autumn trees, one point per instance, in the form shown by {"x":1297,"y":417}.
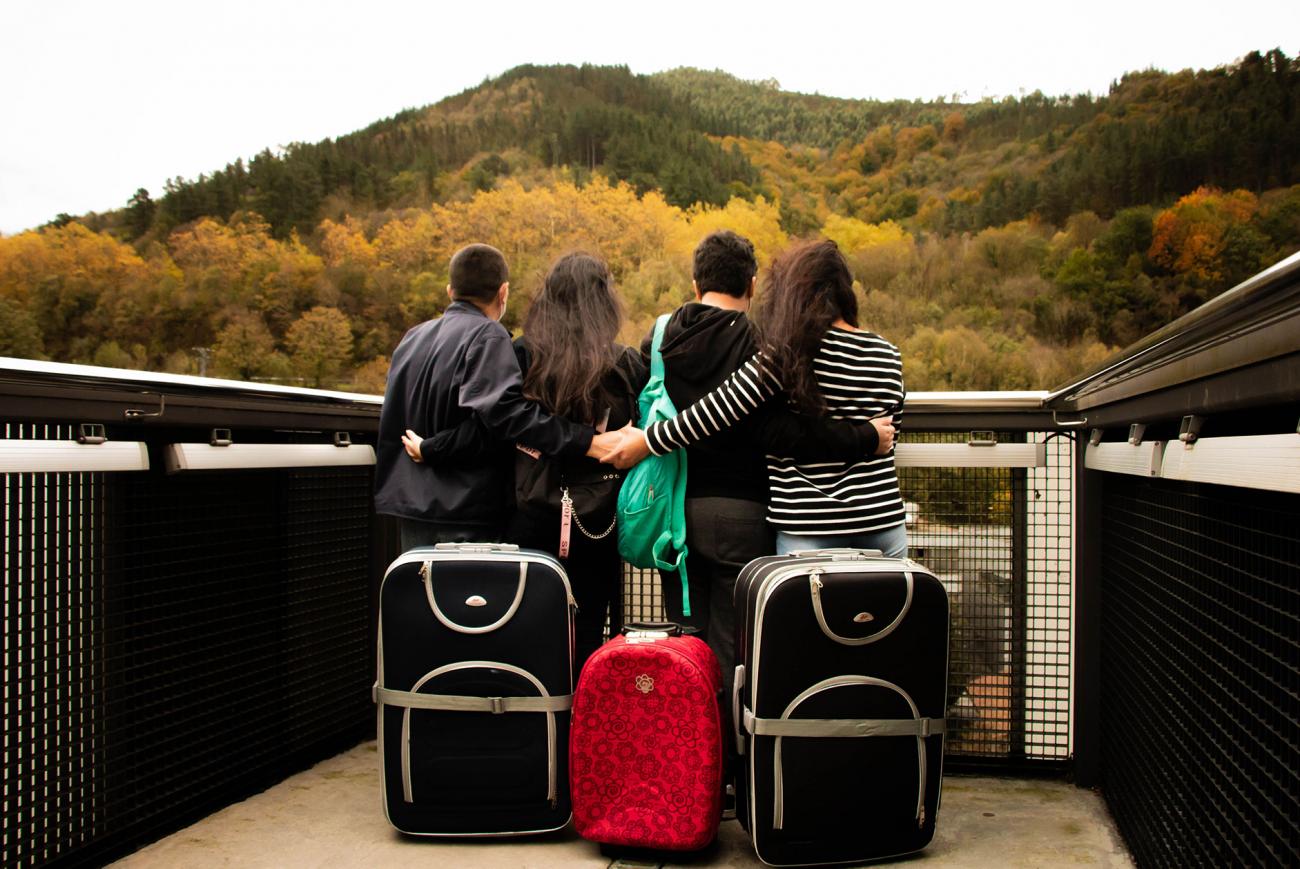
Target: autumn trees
{"x":1002,"y":244}
{"x":1015,"y":306}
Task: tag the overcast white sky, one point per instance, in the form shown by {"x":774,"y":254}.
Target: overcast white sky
{"x":99,"y":98}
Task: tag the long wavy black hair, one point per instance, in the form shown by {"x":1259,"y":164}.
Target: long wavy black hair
{"x":809,"y":287}
{"x":571,"y":329}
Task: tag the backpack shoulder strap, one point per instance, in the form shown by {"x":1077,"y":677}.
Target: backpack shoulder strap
{"x":657,"y":359}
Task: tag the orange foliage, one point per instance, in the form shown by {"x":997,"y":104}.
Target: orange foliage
{"x":1188,"y":238}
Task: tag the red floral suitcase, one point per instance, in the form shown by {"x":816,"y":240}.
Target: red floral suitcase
{"x":645,"y":745}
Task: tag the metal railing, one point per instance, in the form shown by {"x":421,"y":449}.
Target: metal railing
{"x":173,"y":641}
{"x":990,"y":502}
{"x":177,"y":640}
{"x":1188,"y":581}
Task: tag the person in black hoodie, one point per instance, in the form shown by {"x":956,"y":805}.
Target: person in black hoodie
{"x":704,"y":343}
{"x":444,"y":372}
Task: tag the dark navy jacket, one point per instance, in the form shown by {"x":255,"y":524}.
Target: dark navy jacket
{"x":444,"y":372}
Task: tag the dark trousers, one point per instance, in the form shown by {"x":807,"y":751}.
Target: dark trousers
{"x":416,"y":532}
{"x":595,"y":573}
{"x":722,"y":536}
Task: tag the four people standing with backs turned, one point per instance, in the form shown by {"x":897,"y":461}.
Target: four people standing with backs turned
{"x":789,"y":427}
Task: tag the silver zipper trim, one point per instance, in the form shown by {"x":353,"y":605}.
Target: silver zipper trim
{"x":815,"y":589}
{"x":778,"y":803}
{"x":421,"y":555}
{"x":426,"y":572}
{"x":737,"y":685}
{"x":552,"y":791}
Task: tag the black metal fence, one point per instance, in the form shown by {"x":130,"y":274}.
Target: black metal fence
{"x":174,"y":643}
{"x":1001,"y":540}
{"x":1188,"y":582}
{"x":1201,"y":671}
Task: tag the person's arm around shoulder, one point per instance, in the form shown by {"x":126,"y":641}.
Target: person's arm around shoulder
{"x":492,"y":388}
{"x":734,"y":399}
{"x":803,"y":438}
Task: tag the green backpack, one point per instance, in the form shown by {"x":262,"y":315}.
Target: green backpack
{"x":652,"y":501}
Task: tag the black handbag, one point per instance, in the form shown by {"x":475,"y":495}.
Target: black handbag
{"x":582,"y":491}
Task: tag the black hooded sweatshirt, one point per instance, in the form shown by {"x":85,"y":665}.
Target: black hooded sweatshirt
{"x":703,"y":345}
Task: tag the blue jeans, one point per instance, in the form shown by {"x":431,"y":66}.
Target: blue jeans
{"x":890,"y":541}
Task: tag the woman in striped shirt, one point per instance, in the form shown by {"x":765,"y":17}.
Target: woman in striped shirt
{"x":815,"y":352}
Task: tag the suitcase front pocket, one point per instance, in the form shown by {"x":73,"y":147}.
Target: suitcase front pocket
{"x":846,"y":748}
{"x":462,"y":742}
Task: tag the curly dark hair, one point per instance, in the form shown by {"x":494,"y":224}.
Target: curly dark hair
{"x":809,"y":287}
{"x":724,"y":263}
{"x":571,"y":329}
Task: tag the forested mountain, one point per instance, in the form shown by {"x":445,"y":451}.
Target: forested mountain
{"x":1002,"y":243}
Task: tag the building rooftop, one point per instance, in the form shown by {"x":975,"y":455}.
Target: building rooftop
{"x":330,"y":816}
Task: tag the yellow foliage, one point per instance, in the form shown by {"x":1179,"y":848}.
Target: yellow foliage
{"x":346,"y":243}
{"x":411,"y":243}
{"x":759,"y":221}
{"x":66,"y":257}
{"x":853,"y":235}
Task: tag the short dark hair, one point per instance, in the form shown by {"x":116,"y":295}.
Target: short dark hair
{"x":477,"y":272}
{"x":724,"y":263}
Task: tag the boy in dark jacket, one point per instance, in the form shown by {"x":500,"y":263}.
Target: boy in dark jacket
{"x":445,"y":371}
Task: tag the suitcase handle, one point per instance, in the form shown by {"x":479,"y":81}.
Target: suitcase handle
{"x":737,"y":686}
{"x":476,"y":547}
{"x":668,"y":629}
{"x":838,"y":554}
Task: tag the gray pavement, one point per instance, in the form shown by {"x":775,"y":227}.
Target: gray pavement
{"x":330,"y":816}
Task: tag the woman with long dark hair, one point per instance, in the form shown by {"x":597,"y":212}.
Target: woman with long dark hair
{"x":574,"y":367}
{"x":814,"y":351}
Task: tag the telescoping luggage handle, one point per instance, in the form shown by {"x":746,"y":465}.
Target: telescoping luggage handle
{"x":838,"y":554}
{"x":476,"y":547}
{"x":656,"y":630}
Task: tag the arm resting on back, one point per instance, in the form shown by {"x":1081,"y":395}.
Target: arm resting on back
{"x":785,"y":432}
{"x":493,"y":389}
{"x":468,"y":441}
{"x":733,"y":400}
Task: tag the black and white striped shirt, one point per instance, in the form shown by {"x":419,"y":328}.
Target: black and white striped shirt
{"x":860,"y":375}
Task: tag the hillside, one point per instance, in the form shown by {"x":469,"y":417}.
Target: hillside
{"x":1002,"y":244}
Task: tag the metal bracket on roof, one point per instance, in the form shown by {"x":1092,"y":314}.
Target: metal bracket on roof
{"x":342,"y":439}
{"x":136,"y":413}
{"x":1190,"y":429}
{"x":1135,"y":433}
{"x":1094,"y":437}
{"x":220,"y":437}
{"x":92,"y":433}
{"x":983,"y":439}
{"x":1068,"y":423}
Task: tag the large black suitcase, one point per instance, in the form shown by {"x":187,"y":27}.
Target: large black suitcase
{"x":474,"y":690}
{"x":841,"y":682}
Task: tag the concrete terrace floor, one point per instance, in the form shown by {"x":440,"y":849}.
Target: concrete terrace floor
{"x":330,"y":816}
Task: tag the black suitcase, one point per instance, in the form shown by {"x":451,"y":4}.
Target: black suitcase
{"x":474,"y":690}
{"x":841,"y":683}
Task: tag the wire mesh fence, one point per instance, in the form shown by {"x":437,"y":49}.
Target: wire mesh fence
{"x":1001,"y":541}
{"x":173,"y":643}
{"x":1200,"y":699}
